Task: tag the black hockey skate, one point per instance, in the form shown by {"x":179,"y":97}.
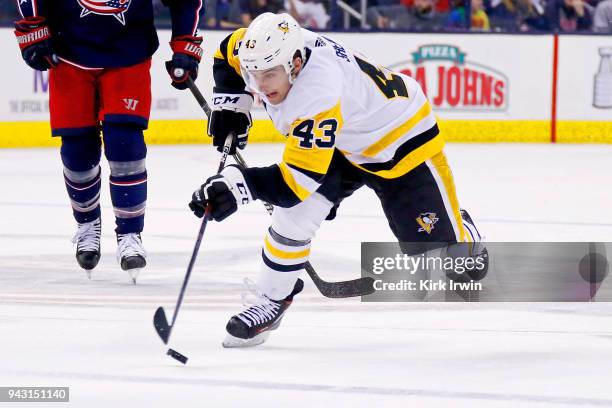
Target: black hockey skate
{"x":252,"y":326}
{"x":87,"y":240}
{"x":131,"y":255}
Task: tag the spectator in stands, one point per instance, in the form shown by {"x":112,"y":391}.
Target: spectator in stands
{"x":602,"y":20}
{"x":442,"y":6}
{"x":534,"y":17}
{"x":250,"y":9}
{"x":421,"y":16}
{"x":572,"y":15}
{"x":479,"y":20}
{"x":504,"y":15}
{"x":223,"y":13}
{"x":381,"y":17}
{"x":456,"y":18}
{"x":424,"y":15}
{"x":308,"y":13}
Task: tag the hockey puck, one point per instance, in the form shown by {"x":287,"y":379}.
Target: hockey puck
{"x":177,"y":356}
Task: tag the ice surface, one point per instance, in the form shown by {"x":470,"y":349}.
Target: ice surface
{"x":59,"y":329}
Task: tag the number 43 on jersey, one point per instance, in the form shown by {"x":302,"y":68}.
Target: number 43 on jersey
{"x":312,"y":132}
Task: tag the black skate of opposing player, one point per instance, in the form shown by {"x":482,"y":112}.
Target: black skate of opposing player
{"x":131,"y":255}
{"x":87,"y":240}
{"x":252,"y":327}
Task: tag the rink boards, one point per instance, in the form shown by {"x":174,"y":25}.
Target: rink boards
{"x":483,"y":88}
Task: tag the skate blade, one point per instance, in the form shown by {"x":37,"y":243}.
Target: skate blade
{"x":134,"y":274}
{"x":236,"y":342}
{"x":88,"y":274}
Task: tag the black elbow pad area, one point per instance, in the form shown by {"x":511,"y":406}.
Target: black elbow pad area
{"x":226,"y":78}
{"x":267,"y":184}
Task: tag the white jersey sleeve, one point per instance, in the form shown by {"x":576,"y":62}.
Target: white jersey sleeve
{"x":311,"y":118}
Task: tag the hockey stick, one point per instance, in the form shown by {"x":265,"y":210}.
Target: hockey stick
{"x":341,"y":289}
{"x":195,"y":91}
{"x":159,"y":319}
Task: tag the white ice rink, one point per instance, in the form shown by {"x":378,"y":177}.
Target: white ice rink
{"x":59,"y":329}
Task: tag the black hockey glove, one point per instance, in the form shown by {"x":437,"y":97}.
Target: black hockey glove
{"x":34,"y":40}
{"x":185,"y":60}
{"x":231,"y":113}
{"x":223,"y":193}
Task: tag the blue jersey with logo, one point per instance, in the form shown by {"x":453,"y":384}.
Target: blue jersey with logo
{"x":109,"y":33}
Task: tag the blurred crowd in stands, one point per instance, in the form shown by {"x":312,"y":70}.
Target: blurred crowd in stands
{"x":409,"y":15}
{"x":493,"y":15}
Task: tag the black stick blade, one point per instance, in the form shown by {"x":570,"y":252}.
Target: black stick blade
{"x":346,"y":289}
{"x":365,"y":286}
{"x":161,"y":324}
{"x":177,"y":356}
{"x":351,"y":288}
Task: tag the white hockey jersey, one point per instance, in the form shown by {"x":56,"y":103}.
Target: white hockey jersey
{"x":379,"y":120}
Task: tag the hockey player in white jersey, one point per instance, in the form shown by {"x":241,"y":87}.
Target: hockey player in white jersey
{"x":348,"y":123}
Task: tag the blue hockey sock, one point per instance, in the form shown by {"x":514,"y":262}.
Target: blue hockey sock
{"x":126,"y":151}
{"x":81,"y":159}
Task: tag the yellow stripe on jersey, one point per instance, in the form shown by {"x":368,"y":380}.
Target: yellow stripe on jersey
{"x":398,"y":132}
{"x":411,"y":160}
{"x":444,"y":172}
{"x":299,"y":191}
{"x":314,"y":159}
{"x":279,"y":253}
{"x":232,"y":45}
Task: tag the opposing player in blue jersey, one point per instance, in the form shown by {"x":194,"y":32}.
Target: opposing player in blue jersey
{"x":99,"y":56}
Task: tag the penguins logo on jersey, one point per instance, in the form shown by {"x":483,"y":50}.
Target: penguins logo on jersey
{"x":284,"y":27}
{"x":426,"y":221}
{"x":115,"y":8}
